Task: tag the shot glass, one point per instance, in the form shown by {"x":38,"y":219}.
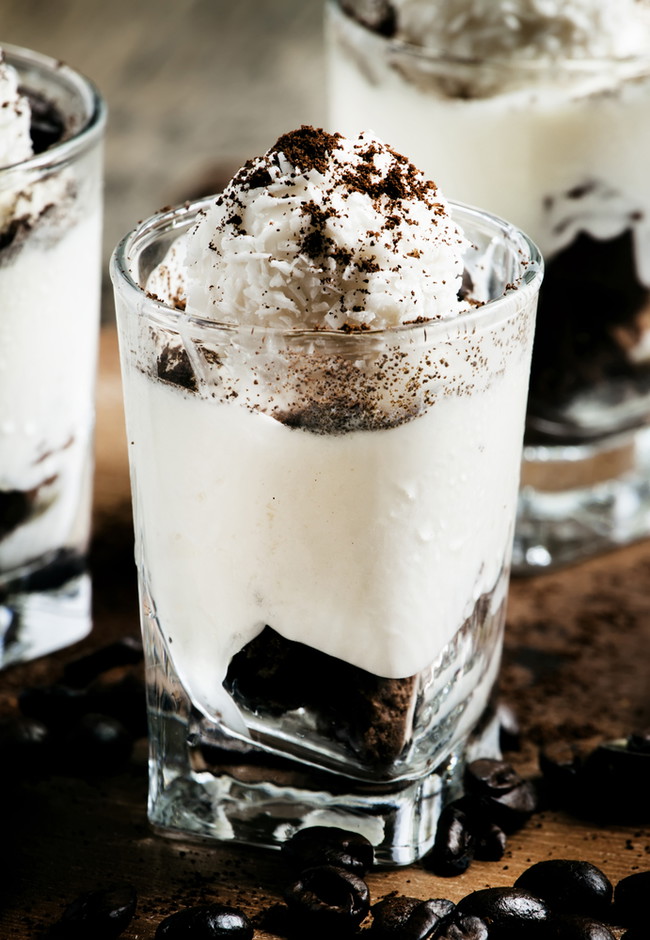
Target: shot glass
{"x":560,"y":150}
{"x":50,"y":216}
{"x":323,"y":526}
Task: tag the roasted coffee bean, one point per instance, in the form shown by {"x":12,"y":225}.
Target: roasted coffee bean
{"x":639,"y":742}
{"x":405,"y":918}
{"x":96,"y":744}
{"x":329,"y":898}
{"x":100,"y":915}
{"x":467,"y":927}
{"x":491,"y":842}
{"x":570,"y":927}
{"x":509,"y":730}
{"x":205,"y":922}
{"x":631,"y":900}
{"x":561,"y":764}
{"x":615,"y":782}
{"x":122,"y":697}
{"x":54,"y":705}
{"x":124,"y":652}
{"x":329,"y":845}
{"x":508,"y":800}
{"x":453,"y":848}
{"x":24,"y":745}
{"x":507,"y":912}
{"x":488,"y":777}
{"x":569,"y":887}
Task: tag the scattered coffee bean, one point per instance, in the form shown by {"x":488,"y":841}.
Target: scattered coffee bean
{"x":453,"y":848}
{"x":509,"y":730}
{"x":569,"y":927}
{"x":405,"y":918}
{"x":561,"y":764}
{"x":329,"y":845}
{"x":24,"y":745}
{"x":615,"y":782}
{"x":329,"y":898}
{"x":124,"y":698}
{"x":631,"y":897}
{"x":491,"y":842}
{"x":205,"y":922}
{"x":100,"y":915}
{"x":508,"y":800}
{"x":465,"y":927}
{"x":569,"y":887}
{"x":507,"y":912}
{"x":124,"y":652}
{"x":639,"y":742}
{"x":96,"y":744}
{"x":54,"y":705}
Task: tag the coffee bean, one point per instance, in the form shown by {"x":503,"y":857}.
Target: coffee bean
{"x":122,"y":697}
{"x":453,"y":848}
{"x":329,"y":845}
{"x":405,"y":918}
{"x":24,"y":745}
{"x":491,"y":842}
{"x":615,"y":782}
{"x":508,"y":800}
{"x":569,"y":887}
{"x":96,"y":744}
{"x":100,"y":915}
{"x":561,"y":764}
{"x":464,"y":928}
{"x":639,"y":742}
{"x":205,"y":922}
{"x":55,"y":705}
{"x":487,"y":777}
{"x":329,"y":898}
{"x":505,"y":911}
{"x":569,"y":927}
{"x":509,"y":729}
{"x":80,"y":672}
{"x":631,"y":897}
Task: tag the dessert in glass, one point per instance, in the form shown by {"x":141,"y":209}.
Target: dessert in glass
{"x":51,"y":128}
{"x":325,"y":373}
{"x":539,"y":112}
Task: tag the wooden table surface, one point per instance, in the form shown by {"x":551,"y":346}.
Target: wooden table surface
{"x":63,"y":835}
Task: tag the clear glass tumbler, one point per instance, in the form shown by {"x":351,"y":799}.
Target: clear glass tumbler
{"x":323,"y":529}
{"x":560,"y":150}
{"x":50,"y":268}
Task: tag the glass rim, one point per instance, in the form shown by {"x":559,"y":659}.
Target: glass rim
{"x":578,"y":65}
{"x":87,"y":134}
{"x":168,"y":219}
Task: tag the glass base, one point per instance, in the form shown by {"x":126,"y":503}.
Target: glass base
{"x":45,"y":609}
{"x":262,"y":803}
{"x":206,"y":781}
{"x":578,"y":500}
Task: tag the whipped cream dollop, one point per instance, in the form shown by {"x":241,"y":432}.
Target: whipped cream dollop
{"x":531,"y":29}
{"x":321,"y":232}
{"x":15,"y":118}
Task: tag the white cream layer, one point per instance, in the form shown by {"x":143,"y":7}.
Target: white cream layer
{"x":371,"y":546}
{"x":49,"y":299}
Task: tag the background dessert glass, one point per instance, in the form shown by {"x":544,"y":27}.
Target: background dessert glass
{"x":561,"y":150}
{"x":383,"y":536}
{"x":49,"y":294}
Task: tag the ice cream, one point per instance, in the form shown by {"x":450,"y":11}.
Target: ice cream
{"x":50,"y":230}
{"x":324,"y":398}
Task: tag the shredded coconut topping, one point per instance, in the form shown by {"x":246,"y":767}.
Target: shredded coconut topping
{"x":320,"y":233}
